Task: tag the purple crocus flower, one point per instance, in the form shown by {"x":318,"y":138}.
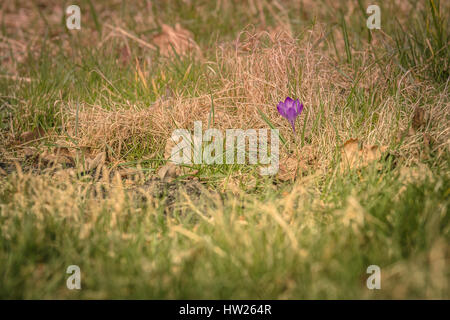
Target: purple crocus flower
{"x":290,"y":109}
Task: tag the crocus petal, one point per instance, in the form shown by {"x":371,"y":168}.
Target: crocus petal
{"x":300,"y":108}
{"x":288,"y":99}
{"x":282,"y":109}
{"x":291,"y":114}
{"x":288,"y":103}
{"x":292,"y":122}
{"x":297,"y":106}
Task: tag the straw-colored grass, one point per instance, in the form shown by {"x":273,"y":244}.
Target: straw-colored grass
{"x":86,"y":120}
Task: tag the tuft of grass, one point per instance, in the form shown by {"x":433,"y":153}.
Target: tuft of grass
{"x":424,"y":46}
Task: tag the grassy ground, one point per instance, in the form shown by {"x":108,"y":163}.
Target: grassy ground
{"x":86,"y":116}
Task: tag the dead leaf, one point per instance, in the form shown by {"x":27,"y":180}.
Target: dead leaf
{"x":290,"y":167}
{"x":354,"y":155}
{"x":97,"y":162}
{"x":175,"y":39}
{"x":31,"y":135}
{"x":351,"y":145}
{"x":168,"y":172}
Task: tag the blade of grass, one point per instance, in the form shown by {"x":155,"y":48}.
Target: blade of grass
{"x":266,"y":120}
{"x":95,"y":17}
{"x":346,"y":41}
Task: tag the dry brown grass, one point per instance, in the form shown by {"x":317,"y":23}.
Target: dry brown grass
{"x":65,"y":196}
{"x":254,"y":72}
